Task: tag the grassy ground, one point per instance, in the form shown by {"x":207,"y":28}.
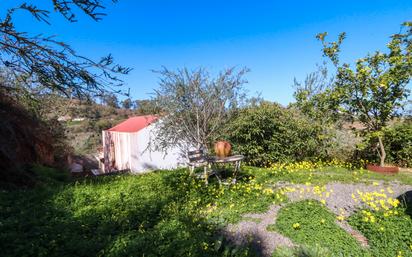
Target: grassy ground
{"x":165,"y":213}
{"x":324,"y":175}
{"x":310,"y":223}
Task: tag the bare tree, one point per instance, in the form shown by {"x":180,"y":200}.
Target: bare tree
{"x":195,"y":106}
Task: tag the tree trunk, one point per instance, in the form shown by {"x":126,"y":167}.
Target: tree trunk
{"x":198,"y":129}
{"x":382,"y":154}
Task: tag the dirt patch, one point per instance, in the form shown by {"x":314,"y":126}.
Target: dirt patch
{"x":264,"y":241}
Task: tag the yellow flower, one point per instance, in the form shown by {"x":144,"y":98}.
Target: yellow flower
{"x":296,"y":225}
{"x":340,"y":217}
{"x":323,"y":201}
{"x":322,"y":221}
{"x":375,"y":183}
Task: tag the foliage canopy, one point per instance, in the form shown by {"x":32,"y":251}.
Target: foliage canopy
{"x":42,"y":64}
{"x":197,"y":106}
{"x":374,"y":90}
{"x":268,"y":133}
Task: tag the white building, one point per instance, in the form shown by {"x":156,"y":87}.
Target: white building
{"x":130,"y":145}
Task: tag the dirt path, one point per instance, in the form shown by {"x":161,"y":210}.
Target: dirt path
{"x":254,"y":230}
{"x":254,"y":227}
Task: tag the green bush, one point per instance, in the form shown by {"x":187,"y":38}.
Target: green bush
{"x":269,"y":133}
{"x":310,"y":223}
{"x":398,"y":145}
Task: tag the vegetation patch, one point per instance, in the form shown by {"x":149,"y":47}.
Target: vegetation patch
{"x":310,"y":223}
{"x":164,"y":213}
{"x":302,"y":251}
{"x":168,"y":213}
{"x":389,"y":232}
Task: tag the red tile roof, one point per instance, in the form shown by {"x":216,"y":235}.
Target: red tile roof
{"x":134,"y":124}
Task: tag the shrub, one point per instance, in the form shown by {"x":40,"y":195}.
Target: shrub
{"x":398,"y":145}
{"x":269,"y":133}
{"x":342,"y":145}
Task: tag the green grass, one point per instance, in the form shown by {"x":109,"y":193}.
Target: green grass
{"x":166,"y":213}
{"x":388,"y":236}
{"x":322,"y":176}
{"x":310,"y":223}
{"x":158,"y":214}
{"x":302,"y":251}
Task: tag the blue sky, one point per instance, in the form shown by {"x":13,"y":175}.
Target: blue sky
{"x":275,"y":39}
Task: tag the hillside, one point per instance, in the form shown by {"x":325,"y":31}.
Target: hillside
{"x":83,"y":121}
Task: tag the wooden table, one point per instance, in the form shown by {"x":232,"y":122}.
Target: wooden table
{"x":236,"y":160}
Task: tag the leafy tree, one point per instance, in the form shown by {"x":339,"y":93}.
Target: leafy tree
{"x":316,"y":96}
{"x":127,"y":103}
{"x":43,"y":64}
{"x":197,"y":106}
{"x":146,"y":106}
{"x":375,"y":89}
{"x":111,"y":100}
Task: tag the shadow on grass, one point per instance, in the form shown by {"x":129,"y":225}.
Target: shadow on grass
{"x":123,"y":215}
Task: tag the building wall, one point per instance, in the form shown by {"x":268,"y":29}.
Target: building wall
{"x":137,"y":152}
{"x":119,"y":147}
{"x":150,"y":158}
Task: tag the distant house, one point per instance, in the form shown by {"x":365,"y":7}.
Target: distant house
{"x":79,"y":119}
{"x":131,"y":145}
{"x":64,"y":118}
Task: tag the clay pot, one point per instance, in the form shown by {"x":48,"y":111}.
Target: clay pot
{"x":384,"y":170}
{"x":222,"y":149}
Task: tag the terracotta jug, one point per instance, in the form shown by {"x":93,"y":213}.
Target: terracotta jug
{"x":222,"y":149}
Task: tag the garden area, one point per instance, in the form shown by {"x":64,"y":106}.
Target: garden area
{"x":328,"y":173}
{"x":301,"y":209}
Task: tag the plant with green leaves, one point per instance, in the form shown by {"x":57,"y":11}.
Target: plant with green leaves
{"x":388,"y":235}
{"x":42,"y":64}
{"x":310,"y":223}
{"x":398,"y":144}
{"x":374,"y":90}
{"x":316,"y":98}
{"x":196,"y":105}
{"x":268,"y":133}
